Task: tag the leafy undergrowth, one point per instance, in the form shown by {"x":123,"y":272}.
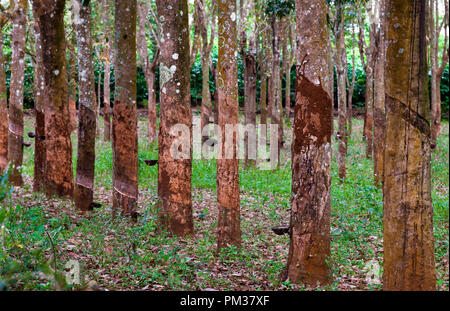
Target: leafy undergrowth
{"x":39,"y":233}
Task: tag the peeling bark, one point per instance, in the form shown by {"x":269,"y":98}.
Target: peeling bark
{"x":84,"y":187}
{"x":409,"y":259}
{"x":174,"y":175}
{"x":124,"y":126}
{"x":15,"y":135}
{"x":311,"y":150}
{"x":228,"y":201}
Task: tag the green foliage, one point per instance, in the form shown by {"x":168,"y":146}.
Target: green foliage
{"x":279,"y":8}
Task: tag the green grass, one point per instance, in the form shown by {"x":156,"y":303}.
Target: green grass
{"x":119,"y":254}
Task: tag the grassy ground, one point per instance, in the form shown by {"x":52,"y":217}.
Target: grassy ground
{"x":116,"y":254}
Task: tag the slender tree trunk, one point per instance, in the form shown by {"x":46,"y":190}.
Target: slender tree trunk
{"x":149,"y":70}
{"x":311,"y":151}
{"x":275,"y":114}
{"x":3,"y":111}
{"x":39,"y":107}
{"x":379,"y":101}
{"x":175,"y":169}
{"x":341,"y":71}
{"x":72,"y":82}
{"x":58,"y":146}
{"x":107,"y":75}
{"x":351,"y":89}
{"x":228,"y":201}
{"x":124,"y":127}
{"x":15,"y":137}
{"x":205,"y":59}
{"x":409,"y":262}
{"x":84,"y":187}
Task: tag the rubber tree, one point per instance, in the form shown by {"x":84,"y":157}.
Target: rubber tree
{"x":39,"y":108}
{"x":228,"y":198}
{"x":124,"y":125}
{"x":175,"y":168}
{"x":58,"y":146}
{"x":309,"y":248}
{"x":409,"y":259}
{"x":149,"y":67}
{"x":3,"y":101}
{"x":15,"y":135}
{"x":84,"y":186}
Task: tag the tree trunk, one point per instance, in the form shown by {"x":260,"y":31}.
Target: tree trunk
{"x":309,"y":248}
{"x":58,"y":146}
{"x":3,"y":111}
{"x":39,"y":108}
{"x":149,"y":70}
{"x":72,"y":82}
{"x":228,"y":201}
{"x":379,"y":101}
{"x":84,"y":187}
{"x":275,"y":114}
{"x":107,"y":75}
{"x":409,"y":262}
{"x":15,"y":137}
{"x":124,"y":127}
{"x":341,"y":71}
{"x":174,"y":171}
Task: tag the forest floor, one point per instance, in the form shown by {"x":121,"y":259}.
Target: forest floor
{"x":118,"y":254}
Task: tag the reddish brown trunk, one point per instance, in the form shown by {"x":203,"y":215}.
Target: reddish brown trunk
{"x":174,"y":173}
{"x":3,"y":109}
{"x":84,"y":187}
{"x":409,"y":258}
{"x":228,"y":201}
{"x":58,"y":153}
{"x":39,"y":107}
{"x":15,"y":136}
{"x":124,"y":127}
{"x":311,"y":151}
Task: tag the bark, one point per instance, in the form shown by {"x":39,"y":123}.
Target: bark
{"x":311,"y":150}
{"x":124,"y":126}
{"x":379,"y":100}
{"x":409,"y":262}
{"x":15,"y":135}
{"x":3,"y":110}
{"x":174,"y":172}
{"x":228,"y":201}
{"x":149,"y":69}
{"x":84,"y":187}
{"x":58,"y":152}
{"x":107,"y":73}
{"x":39,"y":107}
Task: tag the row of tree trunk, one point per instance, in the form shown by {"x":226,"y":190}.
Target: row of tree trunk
{"x":403,"y":120}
